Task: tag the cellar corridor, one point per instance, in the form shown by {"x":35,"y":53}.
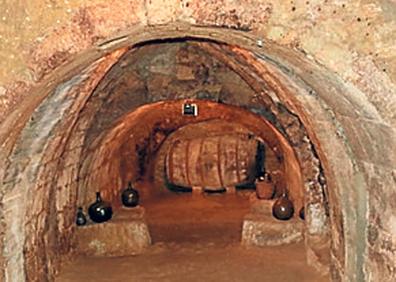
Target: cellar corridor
{"x":181,"y":153}
{"x":216,"y":166}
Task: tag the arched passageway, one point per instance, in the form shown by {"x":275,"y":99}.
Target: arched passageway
{"x":73,"y":136}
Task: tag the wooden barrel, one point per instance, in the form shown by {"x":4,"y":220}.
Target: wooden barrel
{"x":212,"y":162}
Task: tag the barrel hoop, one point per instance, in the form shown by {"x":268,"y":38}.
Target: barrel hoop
{"x":219,"y":162}
{"x":170,"y":163}
{"x":200,"y":162}
{"x":187,"y":163}
{"x":237,"y":160}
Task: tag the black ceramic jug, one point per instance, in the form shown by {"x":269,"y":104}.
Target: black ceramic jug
{"x":80,"y":217}
{"x":130,"y":196}
{"x":302,"y":213}
{"x":283,"y":208}
{"x":100,"y":211}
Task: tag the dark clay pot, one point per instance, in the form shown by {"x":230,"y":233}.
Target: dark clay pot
{"x":130,"y":197}
{"x":302,"y":213}
{"x":100,"y":211}
{"x":283,"y":208}
{"x":80,"y":217}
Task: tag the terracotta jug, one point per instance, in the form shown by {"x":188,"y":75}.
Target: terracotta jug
{"x":265,"y":188}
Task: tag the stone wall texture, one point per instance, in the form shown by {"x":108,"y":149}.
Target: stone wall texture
{"x":337,"y":57}
{"x":353,"y":38}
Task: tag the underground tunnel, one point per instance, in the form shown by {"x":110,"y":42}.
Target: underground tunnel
{"x":221,"y":144}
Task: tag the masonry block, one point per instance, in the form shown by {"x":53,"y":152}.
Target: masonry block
{"x":260,"y":228}
{"x":124,"y":235}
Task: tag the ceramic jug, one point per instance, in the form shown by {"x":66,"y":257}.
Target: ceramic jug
{"x":80,"y":217}
{"x":283,"y":208}
{"x":100,"y":211}
{"x":130,"y":196}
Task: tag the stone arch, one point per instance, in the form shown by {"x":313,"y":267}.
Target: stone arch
{"x":321,"y":101}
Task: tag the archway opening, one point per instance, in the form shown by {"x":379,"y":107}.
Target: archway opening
{"x":117,"y":121}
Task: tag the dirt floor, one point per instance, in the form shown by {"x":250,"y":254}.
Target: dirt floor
{"x":196,"y":238}
{"x":197,"y":218}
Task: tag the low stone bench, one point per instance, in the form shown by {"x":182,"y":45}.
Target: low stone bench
{"x":124,"y":235}
{"x":260,"y":228}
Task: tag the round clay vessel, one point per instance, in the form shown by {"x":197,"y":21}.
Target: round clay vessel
{"x":283,"y":208}
{"x":100,"y":211}
{"x":302,"y":213}
{"x":130,"y":197}
{"x":80,"y":217}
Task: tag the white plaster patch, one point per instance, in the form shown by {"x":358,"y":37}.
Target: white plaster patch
{"x":392,"y":224}
{"x":3,"y":91}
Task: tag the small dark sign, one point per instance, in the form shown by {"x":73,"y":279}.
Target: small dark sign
{"x":190,"y":109}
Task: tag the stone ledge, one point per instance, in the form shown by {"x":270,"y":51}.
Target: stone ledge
{"x":124,"y":235}
{"x":262,"y":229}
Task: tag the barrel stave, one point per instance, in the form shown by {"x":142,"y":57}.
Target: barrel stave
{"x":212,"y":162}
